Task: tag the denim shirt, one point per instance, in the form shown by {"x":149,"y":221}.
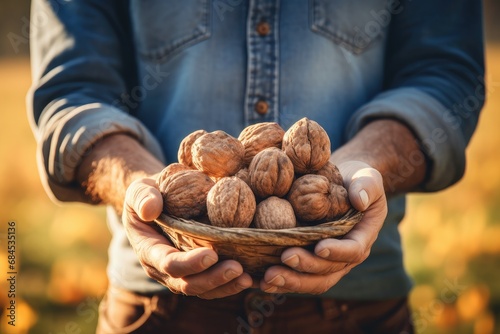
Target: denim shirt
{"x":160,"y":69}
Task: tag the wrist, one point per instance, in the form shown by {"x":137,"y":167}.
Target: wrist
{"x":350,"y":167}
{"x":112,"y":165}
{"x":385,"y":145}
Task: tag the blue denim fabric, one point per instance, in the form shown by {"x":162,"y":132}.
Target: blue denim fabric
{"x":160,"y":69}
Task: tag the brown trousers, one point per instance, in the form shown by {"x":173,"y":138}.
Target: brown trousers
{"x":249,"y":312}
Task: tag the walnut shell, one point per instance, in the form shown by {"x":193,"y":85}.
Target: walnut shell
{"x":170,"y":170}
{"x":244,"y":175}
{"x":271,"y":173}
{"x":185,"y":193}
{"x":184,"y":154}
{"x":340,"y":202}
{"x":309,"y":197}
{"x":218,"y":154}
{"x":332,"y":173}
{"x":231,"y":203}
{"x":315,"y":199}
{"x":274,"y":213}
{"x":259,"y":136}
{"x":308,"y":146}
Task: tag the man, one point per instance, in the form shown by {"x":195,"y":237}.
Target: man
{"x":117,"y":85}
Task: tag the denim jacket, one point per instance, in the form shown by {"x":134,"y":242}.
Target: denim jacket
{"x":160,"y":69}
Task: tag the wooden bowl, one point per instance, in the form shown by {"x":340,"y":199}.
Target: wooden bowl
{"x":256,"y":249}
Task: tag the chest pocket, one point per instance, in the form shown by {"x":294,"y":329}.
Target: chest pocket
{"x":355,"y":25}
{"x":163,"y":28}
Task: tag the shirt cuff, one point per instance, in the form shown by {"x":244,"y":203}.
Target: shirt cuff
{"x":436,"y":128}
{"x":66,"y":140}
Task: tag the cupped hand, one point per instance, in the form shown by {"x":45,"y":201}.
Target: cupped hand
{"x":196,"y":272}
{"x":315,"y":273}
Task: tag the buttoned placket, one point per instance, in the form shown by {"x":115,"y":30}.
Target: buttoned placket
{"x":262,"y":87}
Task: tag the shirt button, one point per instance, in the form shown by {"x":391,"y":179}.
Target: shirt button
{"x":263,"y":28}
{"x":261,"y":107}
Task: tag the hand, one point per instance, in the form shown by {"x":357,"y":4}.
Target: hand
{"x":195,"y":272}
{"x":334,"y":258}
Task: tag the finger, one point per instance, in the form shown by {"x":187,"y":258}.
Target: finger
{"x":304,"y":261}
{"x":278,"y":279}
{"x":233,"y":287}
{"x":180,"y":264}
{"x":196,"y":284}
{"x":343,"y":250}
{"x":143,"y":198}
{"x":365,"y":188}
{"x":355,"y":246}
{"x":160,"y":259}
{"x":148,"y":243}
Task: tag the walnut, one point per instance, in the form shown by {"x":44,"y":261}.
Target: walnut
{"x":314,"y":198}
{"x":274,"y":213}
{"x":231,"y":203}
{"x":170,"y":170}
{"x":259,"y":136}
{"x":332,"y":173}
{"x":340,"y":202}
{"x":185,"y":193}
{"x":308,"y":146}
{"x":271,"y":173}
{"x":184,"y":154}
{"x":218,"y":154}
{"x":244,"y":175}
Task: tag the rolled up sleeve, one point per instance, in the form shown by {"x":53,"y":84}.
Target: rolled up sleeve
{"x":442,"y":141}
{"x":434,"y":82}
{"x":64,"y":143}
{"x":81,"y":64}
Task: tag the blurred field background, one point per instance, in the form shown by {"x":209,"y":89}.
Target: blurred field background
{"x":451,"y":239}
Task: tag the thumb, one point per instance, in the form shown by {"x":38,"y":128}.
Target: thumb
{"x":144,"y":199}
{"x":364,"y":185}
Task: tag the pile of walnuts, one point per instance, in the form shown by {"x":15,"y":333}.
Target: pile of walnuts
{"x":265,"y":178}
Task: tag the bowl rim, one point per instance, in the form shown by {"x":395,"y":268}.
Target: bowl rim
{"x":298,"y":236}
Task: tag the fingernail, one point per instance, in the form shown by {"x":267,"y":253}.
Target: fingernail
{"x":324,"y":253}
{"x":208,"y":261}
{"x":242,"y":286}
{"x":277,"y":280}
{"x":141,"y":204}
{"x":363,"y":195}
{"x":271,"y":289}
{"x":292,"y":261}
{"x":230,"y":274}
